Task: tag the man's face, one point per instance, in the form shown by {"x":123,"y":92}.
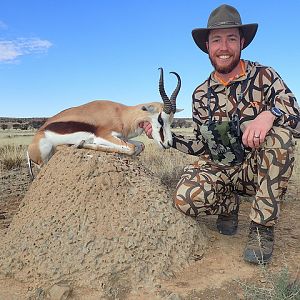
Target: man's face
{"x":224,"y":49}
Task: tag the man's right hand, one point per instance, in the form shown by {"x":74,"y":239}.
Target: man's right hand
{"x":147,"y":128}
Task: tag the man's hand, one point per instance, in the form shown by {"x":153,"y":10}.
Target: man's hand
{"x":147,"y":128}
{"x":257,"y":129}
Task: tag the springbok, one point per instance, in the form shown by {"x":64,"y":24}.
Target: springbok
{"x":105,"y":126}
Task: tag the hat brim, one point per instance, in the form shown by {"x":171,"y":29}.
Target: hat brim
{"x":200,"y":35}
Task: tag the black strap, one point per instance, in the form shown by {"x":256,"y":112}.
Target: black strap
{"x":208,"y":104}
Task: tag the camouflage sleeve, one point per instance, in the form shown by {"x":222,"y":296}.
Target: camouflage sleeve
{"x":279,"y":95}
{"x":192,"y":145}
{"x":189,"y":144}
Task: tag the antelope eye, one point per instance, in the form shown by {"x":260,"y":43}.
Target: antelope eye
{"x":160,"y":120}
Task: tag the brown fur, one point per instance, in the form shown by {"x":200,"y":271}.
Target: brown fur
{"x":101,"y":117}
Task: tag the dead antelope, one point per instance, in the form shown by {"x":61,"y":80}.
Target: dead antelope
{"x":105,"y":126}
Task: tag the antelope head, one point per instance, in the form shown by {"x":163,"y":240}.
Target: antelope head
{"x":161,"y":121}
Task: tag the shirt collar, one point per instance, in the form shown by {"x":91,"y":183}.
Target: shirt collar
{"x":213,"y":82}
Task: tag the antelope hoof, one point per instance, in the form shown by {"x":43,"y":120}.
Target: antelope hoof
{"x":81,"y":144}
{"x":139,"y":148}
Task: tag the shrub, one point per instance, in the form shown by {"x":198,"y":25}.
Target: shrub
{"x":278,"y":286}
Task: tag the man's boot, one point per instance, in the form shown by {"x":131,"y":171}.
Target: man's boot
{"x":260,"y":244}
{"x":228,"y":223}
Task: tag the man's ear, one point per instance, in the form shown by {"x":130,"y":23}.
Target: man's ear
{"x":149,"y":108}
{"x":207,"y":46}
{"x":242,"y":43}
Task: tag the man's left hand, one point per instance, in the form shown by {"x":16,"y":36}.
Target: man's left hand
{"x":257,"y":129}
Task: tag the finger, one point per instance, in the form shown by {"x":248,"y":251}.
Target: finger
{"x":253,"y":140}
{"x":148,"y":130}
{"x":245,"y":138}
{"x":256,"y":141}
{"x":261,"y":138}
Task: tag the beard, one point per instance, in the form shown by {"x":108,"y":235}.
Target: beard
{"x":226,"y":69}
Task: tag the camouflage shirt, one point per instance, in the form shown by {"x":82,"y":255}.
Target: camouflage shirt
{"x":264,"y":89}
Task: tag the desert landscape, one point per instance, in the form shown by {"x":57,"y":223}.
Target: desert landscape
{"x":102,"y":226}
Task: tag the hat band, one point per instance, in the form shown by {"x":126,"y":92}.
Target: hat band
{"x":219,"y":24}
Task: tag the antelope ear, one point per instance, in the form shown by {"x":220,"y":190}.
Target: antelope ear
{"x":149,"y":108}
{"x":179,"y":109}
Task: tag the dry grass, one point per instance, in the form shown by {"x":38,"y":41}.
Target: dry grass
{"x":15,"y":137}
{"x":12,"y":156}
{"x":168,"y":164}
{"x":13,"y":146}
{"x":277,"y":286}
{"x":165,"y":164}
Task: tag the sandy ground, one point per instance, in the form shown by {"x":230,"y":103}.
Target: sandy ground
{"x":215,"y":275}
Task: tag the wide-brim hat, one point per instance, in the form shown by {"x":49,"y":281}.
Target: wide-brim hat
{"x":224,"y":16}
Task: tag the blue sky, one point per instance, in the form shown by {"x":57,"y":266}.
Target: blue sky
{"x":55,"y":54}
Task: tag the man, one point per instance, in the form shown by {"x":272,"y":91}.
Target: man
{"x":244,"y":115}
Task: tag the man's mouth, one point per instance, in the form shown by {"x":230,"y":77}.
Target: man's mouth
{"x":224,"y":57}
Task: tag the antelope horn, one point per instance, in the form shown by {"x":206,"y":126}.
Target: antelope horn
{"x":167,"y":103}
{"x":175,"y":93}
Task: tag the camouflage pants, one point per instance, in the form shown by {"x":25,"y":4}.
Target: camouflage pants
{"x":206,"y":188}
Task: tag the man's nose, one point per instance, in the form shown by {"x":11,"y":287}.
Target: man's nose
{"x":223,"y":44}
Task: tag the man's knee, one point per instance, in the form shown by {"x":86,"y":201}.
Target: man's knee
{"x":193,"y":197}
{"x":183,"y":201}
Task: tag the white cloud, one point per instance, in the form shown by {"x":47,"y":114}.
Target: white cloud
{"x":11,"y":50}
